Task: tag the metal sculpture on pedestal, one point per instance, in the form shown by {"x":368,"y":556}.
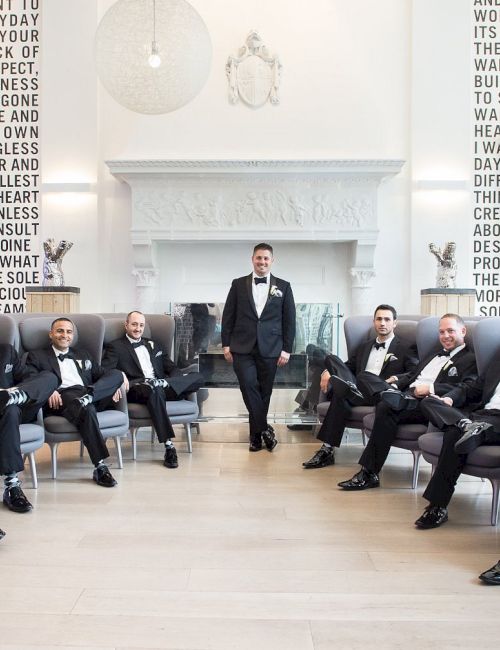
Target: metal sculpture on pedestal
{"x":52,"y":264}
{"x":446,"y":265}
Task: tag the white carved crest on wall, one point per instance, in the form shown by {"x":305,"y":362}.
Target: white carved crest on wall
{"x":253,"y":75}
{"x":270,"y":208}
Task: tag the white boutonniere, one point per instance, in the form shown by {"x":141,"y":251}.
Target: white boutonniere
{"x":8,"y":367}
{"x":151,"y":344}
{"x":452,"y":372}
{"x":158,"y":354}
{"x":88,"y":364}
{"x":390,"y":357}
{"x":274,"y":291}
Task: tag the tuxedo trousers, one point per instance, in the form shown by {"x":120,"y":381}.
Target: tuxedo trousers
{"x":85,"y":418}
{"x":450,"y":464}
{"x":384,"y":432}
{"x":38,"y":388}
{"x":154,"y":399}
{"x":256,"y":377}
{"x":342,"y":399}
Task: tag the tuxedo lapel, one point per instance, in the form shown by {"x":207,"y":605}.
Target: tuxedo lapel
{"x":272,"y":281}
{"x":249,"y":280}
{"x":391,"y":350}
{"x":133,"y":355}
{"x":365,"y":353}
{"x":54,"y":363}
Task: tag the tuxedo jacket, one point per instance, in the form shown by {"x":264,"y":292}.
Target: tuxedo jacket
{"x":273,"y":332}
{"x":453,"y":378}
{"x":11,"y":370}
{"x":45,"y":359}
{"x":120,"y":354}
{"x":400,"y":358}
{"x":479,"y":392}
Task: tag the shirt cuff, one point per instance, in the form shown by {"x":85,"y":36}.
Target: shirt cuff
{"x":285,"y":355}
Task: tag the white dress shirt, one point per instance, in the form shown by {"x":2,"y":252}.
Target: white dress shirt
{"x":144,"y":359}
{"x":494,"y":402}
{"x":260,"y":293}
{"x":69,"y":374}
{"x":377,"y":357}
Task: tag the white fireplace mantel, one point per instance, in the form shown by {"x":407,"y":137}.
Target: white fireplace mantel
{"x":240,"y":200}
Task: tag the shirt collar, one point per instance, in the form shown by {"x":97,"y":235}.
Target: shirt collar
{"x":58,"y":352}
{"x":387,"y":341}
{"x":254,"y":275}
{"x":457,"y":350}
{"x":133,"y":340}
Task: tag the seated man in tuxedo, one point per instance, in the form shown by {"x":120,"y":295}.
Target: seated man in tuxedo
{"x":442,"y":373}
{"x":150,"y":378}
{"x":83,"y":387}
{"x":20,"y":400}
{"x":385,"y":357}
{"x":463,"y":430}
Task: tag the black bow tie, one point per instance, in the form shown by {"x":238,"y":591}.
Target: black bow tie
{"x":379,"y":345}
{"x":68,"y":355}
{"x":445,"y":353}
{"x":260,"y":280}
{"x":137,"y":344}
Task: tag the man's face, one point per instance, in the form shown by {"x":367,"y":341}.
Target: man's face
{"x":134,"y":326}
{"x":262,"y":261}
{"x":61,"y":335}
{"x":384,"y":323}
{"x":451,"y":334}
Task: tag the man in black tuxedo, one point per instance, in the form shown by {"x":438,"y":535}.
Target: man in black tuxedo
{"x":82,"y":388}
{"x":385,"y":357}
{"x":150,"y":377}
{"x":442,"y":373}
{"x":463,"y":431}
{"x":258,"y":330}
{"x":20,"y":400}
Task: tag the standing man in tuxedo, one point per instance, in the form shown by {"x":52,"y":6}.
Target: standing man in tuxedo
{"x":443,"y":373}
{"x":258,"y":330}
{"x":20,"y":400}
{"x":385,"y":357}
{"x":82,"y":388}
{"x":477,"y":423}
{"x":150,"y":377}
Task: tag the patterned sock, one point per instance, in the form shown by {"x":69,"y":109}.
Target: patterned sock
{"x":11,"y":480}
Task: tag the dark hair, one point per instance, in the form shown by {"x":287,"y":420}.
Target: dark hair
{"x":263,"y":246}
{"x":134,"y":311}
{"x":459,"y":319}
{"x":61,"y":318}
{"x":387,"y":308}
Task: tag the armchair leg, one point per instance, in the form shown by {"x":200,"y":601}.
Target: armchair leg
{"x":118,"y":445}
{"x":53,"y":456}
{"x":187,"y":427}
{"x":495,"y":484}
{"x":133,"y":434}
{"x":196,"y":427}
{"x":31,"y":459}
{"x":416,"y":465}
{"x":82,"y":447}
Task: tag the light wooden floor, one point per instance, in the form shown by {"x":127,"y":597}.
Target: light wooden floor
{"x":246,"y":551}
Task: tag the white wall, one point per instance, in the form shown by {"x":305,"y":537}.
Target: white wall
{"x":347,"y":92}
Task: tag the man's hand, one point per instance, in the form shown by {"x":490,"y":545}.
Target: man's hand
{"x":392,"y":380}
{"x":227,"y":354}
{"x":283,"y":359}
{"x":421,"y":390}
{"x":447,"y":400}
{"x":325,"y":379}
{"x":117,"y":396}
{"x":55,"y":400}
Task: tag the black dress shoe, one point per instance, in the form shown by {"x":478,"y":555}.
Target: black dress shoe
{"x":2,"y":533}
{"x":474,"y":436}
{"x":432,"y":517}
{"x":491,"y":576}
{"x":269,"y":439}
{"x":103,"y":477}
{"x":322,"y":458}
{"x":170,"y":460}
{"x":363,"y":480}
{"x":14,"y":499}
{"x":397,"y":400}
{"x":255,"y":442}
